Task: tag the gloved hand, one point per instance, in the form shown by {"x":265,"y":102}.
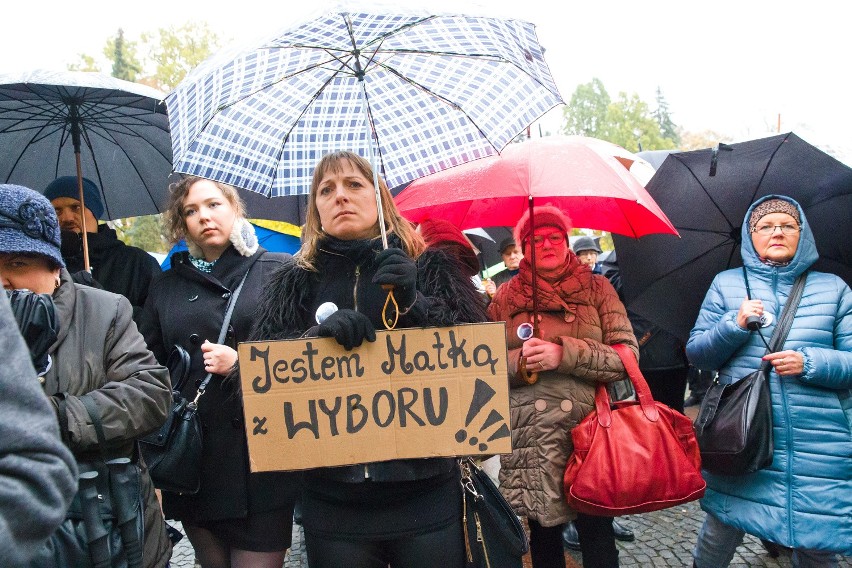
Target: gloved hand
{"x":398,"y":269}
{"x":37,"y":321}
{"x":348,"y":327}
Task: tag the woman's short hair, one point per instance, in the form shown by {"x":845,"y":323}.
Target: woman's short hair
{"x":174,"y":223}
{"x":312,"y":232}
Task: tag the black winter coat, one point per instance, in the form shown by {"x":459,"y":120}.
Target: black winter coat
{"x":117,"y":267}
{"x":185,"y":307}
{"x":345,"y":269}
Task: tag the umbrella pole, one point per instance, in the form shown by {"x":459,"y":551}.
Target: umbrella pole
{"x":372,"y":156}
{"x":527,"y":376}
{"x":390,"y":323}
{"x":75,"y":138}
{"x":536,"y":331}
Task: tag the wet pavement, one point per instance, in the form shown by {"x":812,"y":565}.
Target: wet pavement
{"x":663,"y":538}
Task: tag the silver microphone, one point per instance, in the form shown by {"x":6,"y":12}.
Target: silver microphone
{"x":325,"y":310}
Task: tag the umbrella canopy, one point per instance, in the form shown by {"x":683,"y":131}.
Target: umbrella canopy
{"x":706,"y":194}
{"x":420,"y":92}
{"x":585,"y":177}
{"x":119,"y":131}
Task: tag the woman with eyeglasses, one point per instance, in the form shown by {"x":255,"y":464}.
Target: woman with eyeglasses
{"x":553,"y":376}
{"x":803,"y":500}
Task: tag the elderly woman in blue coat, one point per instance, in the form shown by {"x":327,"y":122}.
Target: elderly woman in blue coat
{"x":804,"y":499}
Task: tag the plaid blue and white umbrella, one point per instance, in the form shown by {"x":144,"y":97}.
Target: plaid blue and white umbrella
{"x":438,"y":90}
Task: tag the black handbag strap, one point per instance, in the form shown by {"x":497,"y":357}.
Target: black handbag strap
{"x":95,"y":415}
{"x":711,"y":400}
{"x":785,"y":320}
{"x":232,"y":301}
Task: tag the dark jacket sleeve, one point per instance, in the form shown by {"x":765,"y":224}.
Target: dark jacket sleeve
{"x":136,"y":396}
{"x":450,"y":297}
{"x":38,"y":475}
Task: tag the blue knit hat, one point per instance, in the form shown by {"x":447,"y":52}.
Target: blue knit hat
{"x":66,"y":186}
{"x":28,"y":223}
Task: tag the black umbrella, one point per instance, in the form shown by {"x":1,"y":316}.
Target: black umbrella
{"x":489,"y":248}
{"x":705,"y":194}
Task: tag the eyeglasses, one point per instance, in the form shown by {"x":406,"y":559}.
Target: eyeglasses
{"x":554,"y":238}
{"x":767,"y":230}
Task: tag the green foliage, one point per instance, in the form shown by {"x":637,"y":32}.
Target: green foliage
{"x":626,"y":121}
{"x":86,"y":63}
{"x":586,"y":113}
{"x":631,"y":126}
{"x":125,"y":62}
{"x":175,"y":51}
{"x":143,"y":232}
{"x":171,"y":53}
{"x":668,"y":129}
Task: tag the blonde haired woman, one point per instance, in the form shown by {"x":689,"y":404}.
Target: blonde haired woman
{"x":402,"y":513}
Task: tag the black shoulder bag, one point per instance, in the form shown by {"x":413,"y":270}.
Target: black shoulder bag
{"x":493,"y":534}
{"x":173,"y":453}
{"x":734,"y":423}
{"x":105,"y":525}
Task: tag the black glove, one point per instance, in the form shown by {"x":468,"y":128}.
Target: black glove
{"x":348,"y":327}
{"x":398,"y":269}
{"x":36,"y":317}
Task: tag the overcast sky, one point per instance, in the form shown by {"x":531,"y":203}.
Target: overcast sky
{"x":728,"y":66}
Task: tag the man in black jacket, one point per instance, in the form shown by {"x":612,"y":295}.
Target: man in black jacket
{"x":115,"y":266}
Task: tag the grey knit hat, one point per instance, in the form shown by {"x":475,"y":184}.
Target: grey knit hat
{"x":585,"y":243}
{"x":28,"y":223}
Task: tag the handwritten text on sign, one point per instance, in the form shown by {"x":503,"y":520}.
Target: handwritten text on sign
{"x":412,"y":393}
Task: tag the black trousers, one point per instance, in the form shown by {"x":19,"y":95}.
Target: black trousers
{"x":668,"y":387}
{"x":597,"y":543}
{"x":443,"y":547}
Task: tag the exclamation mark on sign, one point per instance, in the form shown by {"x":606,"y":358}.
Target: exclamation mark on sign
{"x":482,"y":394}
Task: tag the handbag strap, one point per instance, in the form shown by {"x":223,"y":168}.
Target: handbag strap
{"x":232,"y":301}
{"x":785,"y":320}
{"x":710,"y":404}
{"x":95,"y":415}
{"x":643,"y":391}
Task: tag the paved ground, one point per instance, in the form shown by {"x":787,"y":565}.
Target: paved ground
{"x":663,"y":538}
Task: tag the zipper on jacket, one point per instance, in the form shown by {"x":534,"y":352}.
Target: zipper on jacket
{"x":355,"y":288}
{"x":481,"y":540}
{"x":788,"y":428}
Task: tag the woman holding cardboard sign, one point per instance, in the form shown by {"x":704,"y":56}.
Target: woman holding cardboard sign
{"x":402,"y":513}
{"x":237,"y":519}
{"x":579,"y":317}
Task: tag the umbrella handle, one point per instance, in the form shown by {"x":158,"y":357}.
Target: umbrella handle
{"x":527,"y":377}
{"x":390,"y":324}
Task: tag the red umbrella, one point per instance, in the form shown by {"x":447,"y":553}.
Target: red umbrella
{"x":587,"y":178}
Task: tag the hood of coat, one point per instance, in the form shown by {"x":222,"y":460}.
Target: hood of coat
{"x":805,"y":256}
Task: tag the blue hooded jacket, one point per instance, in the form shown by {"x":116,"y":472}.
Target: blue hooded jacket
{"x":804,"y":499}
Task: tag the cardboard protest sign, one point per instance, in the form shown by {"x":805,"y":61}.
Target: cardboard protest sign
{"x":413,"y":393}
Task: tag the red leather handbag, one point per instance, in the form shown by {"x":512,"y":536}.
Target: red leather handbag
{"x":632,"y":456}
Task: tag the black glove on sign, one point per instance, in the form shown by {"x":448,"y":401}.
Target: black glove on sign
{"x":348,"y":327}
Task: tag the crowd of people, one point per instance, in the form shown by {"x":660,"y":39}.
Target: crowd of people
{"x":408,"y":512}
